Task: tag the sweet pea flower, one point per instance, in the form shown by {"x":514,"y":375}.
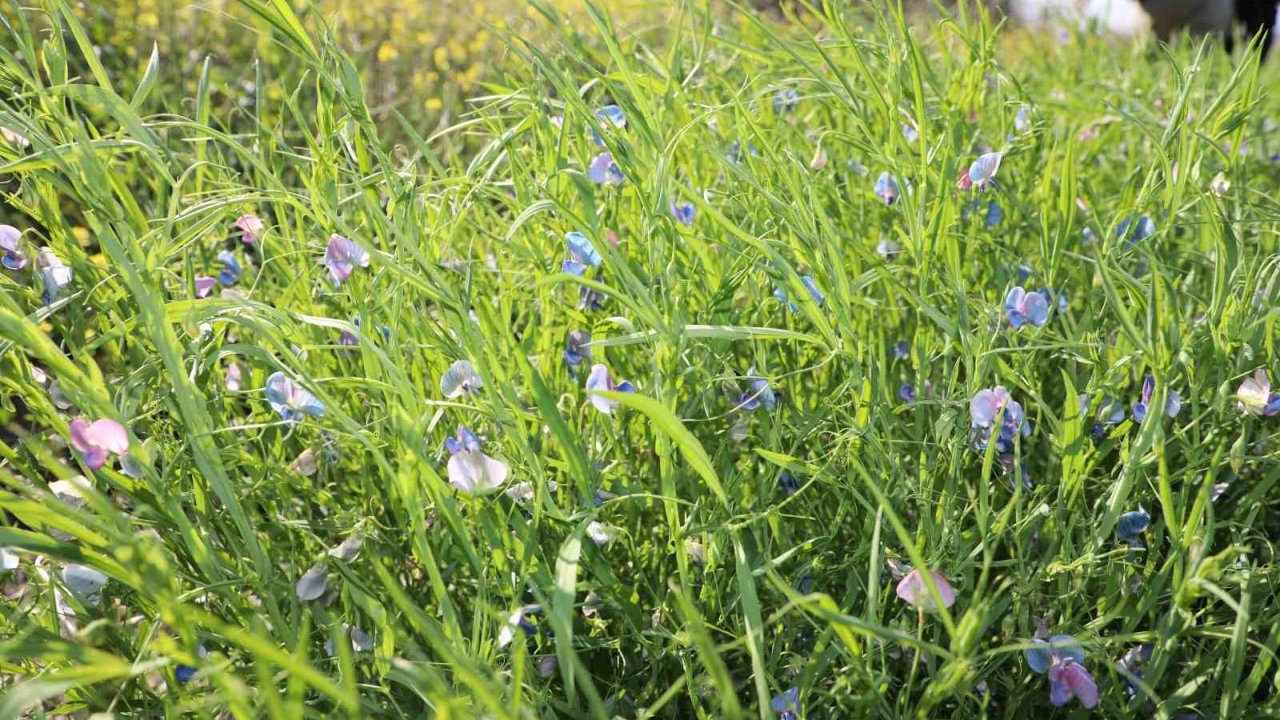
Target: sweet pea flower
{"x":98,"y":440}
{"x":758,"y":393}
{"x":290,"y":400}
{"x":583,"y":254}
{"x":250,"y":227}
{"x":1172,"y":406}
{"x":11,"y":254}
{"x":886,"y":188}
{"x":1132,"y":524}
{"x":1062,"y":658}
{"x":461,"y":378}
{"x":590,"y":298}
{"x":909,"y":133}
{"x":576,"y":349}
{"x":205,"y":285}
{"x":1024,"y":308}
{"x":684,"y":212}
{"x":470,"y":470}
{"x":516,"y":621}
{"x":233,"y":378}
{"x":914,"y":590}
{"x":994,"y":215}
{"x":600,"y":533}
{"x":342,"y":256}
{"x":231,"y":271}
{"x":604,"y":171}
{"x":735,"y":154}
{"x":1130,"y":665}
{"x":1255,"y":396}
{"x":786,"y":705}
{"x":1022,"y":121}
{"x":786,"y":101}
{"x":1110,"y":411}
{"x":611,"y":117}
{"x":982,"y":172}
{"x":985,"y":406}
{"x":601,"y":380}
{"x":53,"y":272}
{"x":1135,"y":229}
{"x":901,"y":350}
{"x":888,"y":250}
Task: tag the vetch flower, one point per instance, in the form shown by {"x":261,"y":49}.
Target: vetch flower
{"x":786,"y":101}
{"x":8,"y":560}
{"x":907,"y":393}
{"x":53,"y":273}
{"x":590,"y":298}
{"x":582,"y":252}
{"x":611,"y":117}
{"x":1255,"y":396}
{"x":1062,"y":658}
{"x":470,"y":470}
{"x":577,"y":349}
{"x":914,"y":590}
{"x":886,"y":188}
{"x":1024,"y":307}
{"x":735,"y":152}
{"x":812,"y":286}
{"x":232,"y":381}
{"x":888,"y":250}
{"x":600,"y":533}
{"x":982,"y":172}
{"x":11,"y":254}
{"x":909,"y":133}
{"x":901,"y":350}
{"x":250,"y":227}
{"x":231,"y":271}
{"x":342,"y":256}
{"x":599,"y":380}
{"x":1132,"y":524}
{"x":786,"y":705}
{"x":461,"y":378}
{"x":1135,"y":229}
{"x":683,"y":212}
{"x":1172,"y":406}
{"x":97,"y":441}
{"x":987,"y":405}
{"x":758,"y":393}
{"x":781,"y":296}
{"x":204,"y":285}
{"x":994,"y":215}
{"x":604,"y":171}
{"x":84,"y":582}
{"x":313,"y":583}
{"x":1022,"y":121}
{"x":291,"y":400}
{"x":1130,"y":665}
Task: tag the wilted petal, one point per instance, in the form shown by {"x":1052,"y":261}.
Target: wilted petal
{"x":313,"y":583}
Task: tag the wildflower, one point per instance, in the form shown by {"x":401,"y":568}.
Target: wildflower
{"x":1255,"y":396}
{"x":8,"y":560}
{"x":982,"y":172}
{"x":516,"y":621}
{"x":886,"y":188}
{"x":1132,"y":524}
{"x":888,"y":250}
{"x":787,"y":705}
{"x":907,"y":393}
{"x":577,"y":349}
{"x":97,"y":441}
{"x":470,"y":470}
{"x":186,"y":673}
{"x":1062,"y":658}
{"x":590,"y":298}
{"x":600,"y":533}
{"x":582,"y":252}
{"x":291,"y":400}
{"x":1172,"y":406}
{"x":914,"y":590}
{"x":601,"y":380}
{"x":342,"y":256}
{"x":1022,"y":121}
{"x":204,"y":285}
{"x":901,"y":350}
{"x":250,"y":227}
{"x":611,"y":117}
{"x":1135,"y":229}
{"x":788,"y":484}
{"x":994,"y":215}
{"x":15,"y":138}
{"x":1220,"y":185}
{"x":684,"y":212}
{"x":53,"y":272}
{"x":231,"y":271}
{"x":812,"y":286}
{"x":11,"y":254}
{"x":786,"y":101}
{"x":232,"y":380}
{"x":1024,"y":307}
{"x":461,"y":378}
{"x":758,"y":393}
{"x":1130,"y":665}
{"x":547,"y":666}
{"x":781,"y":296}
{"x":604,"y":171}
{"x":909,"y":133}
{"x":985,"y":407}
{"x":313,"y":583}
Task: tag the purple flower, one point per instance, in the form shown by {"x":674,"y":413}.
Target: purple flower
{"x":604,"y":171}
{"x":786,"y":705}
{"x":683,"y":212}
{"x":98,"y":440}
{"x":901,"y":350}
{"x":231,"y":271}
{"x":205,"y":285}
{"x":907,"y":393}
{"x":590,"y":298}
{"x":11,"y":254}
{"x":470,"y":470}
{"x":982,"y":172}
{"x":1024,"y":307}
{"x":250,"y":227}
{"x":1173,"y":403}
{"x":758,"y":393}
{"x":988,"y":405}
{"x":583,"y":254}
{"x":601,"y":380}
{"x":914,"y":590}
{"x":576,"y":348}
{"x":291,"y":400}
{"x":1062,"y":658}
{"x":1130,"y":665}
{"x":342,"y":256}
{"x":886,"y":188}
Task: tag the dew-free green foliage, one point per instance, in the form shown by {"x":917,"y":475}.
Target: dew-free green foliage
{"x":721,"y":589}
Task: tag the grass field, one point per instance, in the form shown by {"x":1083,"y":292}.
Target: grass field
{"x":801,"y":366}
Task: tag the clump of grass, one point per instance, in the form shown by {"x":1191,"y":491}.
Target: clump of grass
{"x":723,"y":536}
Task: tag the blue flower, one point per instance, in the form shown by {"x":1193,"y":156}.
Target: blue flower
{"x":907,"y":393}
{"x":1130,"y":665}
{"x":984,"y":409}
{"x":604,"y":171}
{"x":994,"y":214}
{"x":758,"y":393}
{"x":901,"y":350}
{"x":53,"y":273}
{"x":683,"y":212}
{"x":576,"y":349}
{"x":735,"y":152}
{"x":583,"y":254}
{"x":230,"y":272}
{"x":1172,"y":406}
{"x":1062,"y":658}
{"x":787,"y":705}
{"x":1025,"y":307}
{"x":886,"y":188}
{"x":788,"y":484}
{"x":786,"y":101}
{"x":590,"y":298}
{"x":290,"y":400}
{"x":611,"y":117}
{"x":814,"y":293}
{"x":781,"y":296}
{"x":1132,"y":524}
{"x":184,"y":673}
{"x":1135,"y":229}
{"x":11,"y":254}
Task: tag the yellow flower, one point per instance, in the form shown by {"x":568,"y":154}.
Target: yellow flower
{"x":441,"y":58}
{"x":433,"y":104}
{"x":387,"y":53}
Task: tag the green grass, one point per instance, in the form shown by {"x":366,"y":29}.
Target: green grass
{"x":721,"y":590}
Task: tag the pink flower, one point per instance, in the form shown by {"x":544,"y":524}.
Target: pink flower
{"x":342,"y":256}
{"x":205,"y":285}
{"x":250,"y":227}
{"x":915,"y":592}
{"x":98,"y":440}
{"x":234,"y":377}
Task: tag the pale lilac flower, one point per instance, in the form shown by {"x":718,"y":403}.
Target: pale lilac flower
{"x":461,"y":378}
{"x":205,"y":285}
{"x":1255,"y":396}
{"x":604,"y":171}
{"x":342,"y":256}
{"x":470,"y":470}
{"x":98,"y":440}
{"x":290,"y":399}
{"x":11,"y":253}
{"x":250,"y":227}
{"x":601,"y":380}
